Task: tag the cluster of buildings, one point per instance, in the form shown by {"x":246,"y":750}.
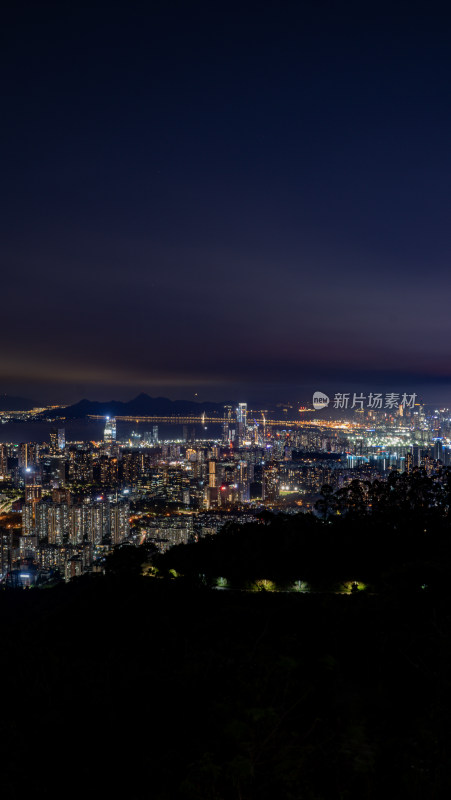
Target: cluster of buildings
{"x":77,"y":500}
{"x":62,"y":534}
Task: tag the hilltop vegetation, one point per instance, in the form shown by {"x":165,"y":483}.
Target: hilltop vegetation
{"x":389,"y":535}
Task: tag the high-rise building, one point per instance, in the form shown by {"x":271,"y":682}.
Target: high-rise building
{"x":76,"y":523}
{"x":212,"y":474}
{"x":3,"y":461}
{"x":241,"y":419}
{"x":61,"y":439}
{"x":54,"y":441}
{"x":132,"y":467}
{"x":241,"y":414}
{"x":42,"y":519}
{"x":97,"y":522}
{"x":28,"y":519}
{"x":244,"y":481}
{"x":27,"y":454}
{"x":5,"y":551}
{"x":270,"y":483}
{"x":109,"y":433}
{"x":107,"y":471}
{"x":438,"y":450}
{"x":227,"y":424}
{"x":58,"y":523}
{"x":119,"y":522}
{"x":416,"y":456}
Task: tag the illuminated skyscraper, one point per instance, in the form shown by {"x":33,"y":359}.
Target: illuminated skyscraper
{"x":416,"y":456}
{"x":438,"y":449}
{"x":5,"y":550}
{"x":119,"y":522}
{"x":109,"y":434}
{"x":3,"y":461}
{"x":241,"y":418}
{"x":212,"y":474}
{"x":227,"y":423}
{"x":270,"y":482}
{"x":97,"y":522}
{"x":57,"y":440}
{"x":241,"y":414}
{"x":42,"y":519}
{"x":77,"y":515}
{"x":243,"y":481}
{"x":132,"y":467}
{"x":58,"y":523}
{"x":28,"y":520}
{"x":53,"y":441}
{"x":27,"y":454}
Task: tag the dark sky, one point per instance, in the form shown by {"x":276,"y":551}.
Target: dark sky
{"x":240,"y":200}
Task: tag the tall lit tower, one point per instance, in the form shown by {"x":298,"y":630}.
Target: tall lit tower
{"x":241,"y":418}
{"x":54,"y":441}
{"x":227,"y":424}
{"x":109,"y":433}
{"x":241,"y":414}
{"x":61,"y":438}
{"x":270,"y":482}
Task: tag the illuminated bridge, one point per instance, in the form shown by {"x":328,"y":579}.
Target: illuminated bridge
{"x":252,"y":417}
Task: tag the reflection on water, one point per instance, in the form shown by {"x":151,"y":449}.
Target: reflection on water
{"x":90,"y":430}
{"x":79,"y":430}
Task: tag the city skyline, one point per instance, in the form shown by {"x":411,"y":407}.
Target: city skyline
{"x":71,"y":495}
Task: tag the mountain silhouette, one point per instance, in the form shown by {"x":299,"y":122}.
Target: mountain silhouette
{"x":142,"y":405}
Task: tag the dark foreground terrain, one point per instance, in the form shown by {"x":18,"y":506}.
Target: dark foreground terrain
{"x":151,"y":689}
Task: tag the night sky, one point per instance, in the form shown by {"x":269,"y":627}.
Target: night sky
{"x":247,"y":201}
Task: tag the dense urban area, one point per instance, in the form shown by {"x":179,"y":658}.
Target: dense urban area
{"x":65,"y":505}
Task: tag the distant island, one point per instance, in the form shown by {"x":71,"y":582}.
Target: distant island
{"x":142,"y":405}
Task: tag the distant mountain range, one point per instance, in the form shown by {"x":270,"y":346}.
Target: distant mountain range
{"x":8,"y":403}
{"x":141,"y":406}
